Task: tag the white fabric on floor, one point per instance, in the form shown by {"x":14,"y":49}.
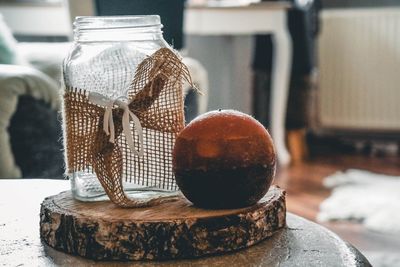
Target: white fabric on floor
{"x":373,"y":199}
{"x":383,"y":259}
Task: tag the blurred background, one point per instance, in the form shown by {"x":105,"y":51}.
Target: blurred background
{"x":342,"y":117}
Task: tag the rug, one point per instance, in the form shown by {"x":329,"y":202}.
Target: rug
{"x":383,"y":259}
{"x":369,"y":198}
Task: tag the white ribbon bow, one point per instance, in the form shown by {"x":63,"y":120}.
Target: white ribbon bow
{"x":108,"y":121}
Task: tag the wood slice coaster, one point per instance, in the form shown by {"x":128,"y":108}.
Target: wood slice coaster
{"x":103,"y":231}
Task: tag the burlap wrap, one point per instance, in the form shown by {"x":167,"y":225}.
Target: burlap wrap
{"x":155,"y":97}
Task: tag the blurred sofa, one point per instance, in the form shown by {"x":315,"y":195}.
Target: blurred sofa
{"x":30,"y":128}
{"x":45,"y":57}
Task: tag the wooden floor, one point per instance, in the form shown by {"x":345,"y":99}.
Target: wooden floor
{"x":305,"y":192}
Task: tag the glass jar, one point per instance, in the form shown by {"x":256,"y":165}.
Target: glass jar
{"x":104,"y":49}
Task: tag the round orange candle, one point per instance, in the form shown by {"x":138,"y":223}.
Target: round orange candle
{"x":224,"y":159}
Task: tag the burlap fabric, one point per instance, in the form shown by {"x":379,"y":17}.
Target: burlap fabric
{"x":155,"y":98}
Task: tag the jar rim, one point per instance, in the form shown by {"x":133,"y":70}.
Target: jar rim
{"x":117,"y":22}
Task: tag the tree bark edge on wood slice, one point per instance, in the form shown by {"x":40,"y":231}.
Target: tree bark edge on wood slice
{"x":113,"y":233}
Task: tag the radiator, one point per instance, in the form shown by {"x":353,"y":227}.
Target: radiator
{"x":359,"y":57}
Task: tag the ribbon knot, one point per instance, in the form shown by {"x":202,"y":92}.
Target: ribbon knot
{"x":108,"y":120}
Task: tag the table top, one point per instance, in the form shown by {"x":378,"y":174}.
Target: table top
{"x":253,"y":6}
{"x":258,"y":18}
{"x":301,"y":243}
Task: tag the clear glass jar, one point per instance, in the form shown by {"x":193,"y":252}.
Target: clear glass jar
{"x":104,"y":49}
